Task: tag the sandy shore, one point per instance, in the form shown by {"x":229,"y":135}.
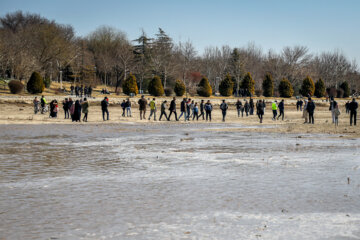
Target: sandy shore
{"x":19,"y":110}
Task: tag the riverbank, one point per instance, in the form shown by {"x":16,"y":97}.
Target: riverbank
{"x":19,"y":110}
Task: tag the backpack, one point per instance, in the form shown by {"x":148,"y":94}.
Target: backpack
{"x":207,"y":107}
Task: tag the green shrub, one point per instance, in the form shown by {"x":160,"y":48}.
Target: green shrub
{"x":155,"y":87}
{"x":268,"y":86}
{"x":248,"y":84}
{"x":320,"y":88}
{"x":345,"y":87}
{"x":47,"y":82}
{"x":307,"y":87}
{"x":204,"y":88}
{"x":226,"y":86}
{"x":15,"y":86}
{"x":168,"y":92}
{"x":130,"y":85}
{"x":179,"y":88}
{"x":285,"y":88}
{"x":35,"y":83}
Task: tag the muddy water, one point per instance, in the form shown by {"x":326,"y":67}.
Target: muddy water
{"x":176,"y":182}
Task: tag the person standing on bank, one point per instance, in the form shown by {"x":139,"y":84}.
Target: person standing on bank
{"x":353,"y":106}
{"x":251,"y":106}
{"x":224,"y":107}
{"x":260,"y":110}
{"x":123,"y":106}
{"x":281,"y":109}
{"x":172,"y":109}
{"x":208,"y":108}
{"x":104,"y":108}
{"x":238,"y":107}
{"x":128,"y":107}
{"x":195,"y":112}
{"x":310,"y":109}
{"x":246,"y":107}
{"x":152,"y":109}
{"x":274,"y":109}
{"x":142,"y":107}
{"x":332,"y":108}
{"x":202,"y":110}
{"x":85,"y":109}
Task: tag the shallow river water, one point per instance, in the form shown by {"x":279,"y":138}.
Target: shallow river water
{"x":134,"y":181}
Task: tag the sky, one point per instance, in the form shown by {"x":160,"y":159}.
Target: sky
{"x":321,"y":25}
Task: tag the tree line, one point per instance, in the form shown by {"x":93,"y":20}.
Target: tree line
{"x":31,"y":43}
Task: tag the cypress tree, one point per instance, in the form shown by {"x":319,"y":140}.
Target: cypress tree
{"x":268,"y":86}
{"x":345,"y":87}
{"x":179,"y":88}
{"x":35,"y":83}
{"x":285,"y":88}
{"x":307,"y":87}
{"x":320,"y":88}
{"x":248,"y":84}
{"x":155,"y":87}
{"x":204,"y":88}
{"x":226,"y":86}
{"x":130,"y":85}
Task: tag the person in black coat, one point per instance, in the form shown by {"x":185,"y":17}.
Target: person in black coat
{"x":104,"y":108}
{"x":353,"y":106}
{"x":260,"y":110}
{"x":310,"y":109}
{"x":183,"y":109}
{"x":77,"y":112}
{"x":172,"y":109}
{"x":281,"y":107}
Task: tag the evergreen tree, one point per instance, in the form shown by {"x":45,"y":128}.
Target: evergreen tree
{"x":155,"y":87}
{"x":285,"y":88}
{"x":130,"y":85}
{"x":35,"y":83}
{"x":248,"y":84}
{"x":268,"y":86}
{"x":204,"y":88}
{"x":320,"y":88}
{"x":226,"y":86}
{"x":345,"y":87}
{"x":307,"y":87}
{"x":15,"y":86}
{"x":179,"y":88}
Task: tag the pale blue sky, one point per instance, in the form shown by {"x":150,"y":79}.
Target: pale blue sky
{"x":322,"y":25}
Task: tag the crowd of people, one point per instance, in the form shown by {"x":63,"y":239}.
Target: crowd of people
{"x":80,"y":91}
{"x":191,"y":110}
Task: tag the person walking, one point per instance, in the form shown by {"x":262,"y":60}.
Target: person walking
{"x":353,"y":106}
{"x":85,"y":109}
{"x":123,"y":106}
{"x":310,"y":109}
{"x":104,"y":108}
{"x":65,"y":104}
{"x":238,"y":107}
{"x":172,"y":109}
{"x":202,"y":110}
{"x":188,"y":109}
{"x":274,"y":109}
{"x":128,"y":107}
{"x":260,"y":110}
{"x":163,"y":110}
{"x":152,"y":109}
{"x":246,"y":107}
{"x":298,"y":105}
{"x":43,"y":104}
{"x":305,"y":112}
{"x":36,"y":105}
{"x":347,"y":107}
{"x":208,"y":108}
{"x":251,"y":106}
{"x":281,"y":109}
{"x":183,"y":109}
{"x":301,"y":104}
{"x":142,"y":107}
{"x":264,"y":105}
{"x":224,"y":107}
{"x":196,"y":112}
{"x":332,"y":108}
